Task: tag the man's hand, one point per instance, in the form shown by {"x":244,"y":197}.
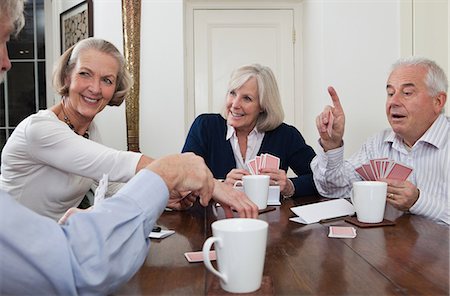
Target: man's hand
{"x":181,"y":201}
{"x":232,"y":199}
{"x":401,"y":194}
{"x":185,"y":172}
{"x":334,"y":139}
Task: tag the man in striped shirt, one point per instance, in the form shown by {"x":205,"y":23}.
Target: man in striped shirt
{"x":419,"y":138}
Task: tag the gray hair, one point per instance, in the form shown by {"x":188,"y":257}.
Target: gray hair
{"x":13,"y":10}
{"x":269,"y":96}
{"x":66,"y":63}
{"x":436,"y":80}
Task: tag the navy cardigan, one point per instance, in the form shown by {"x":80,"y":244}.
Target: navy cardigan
{"x":206,"y":138}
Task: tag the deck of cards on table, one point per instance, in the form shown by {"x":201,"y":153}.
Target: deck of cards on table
{"x":262,"y":161}
{"x":383,"y":168}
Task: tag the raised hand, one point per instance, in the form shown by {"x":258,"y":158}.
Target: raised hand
{"x":331,"y":123}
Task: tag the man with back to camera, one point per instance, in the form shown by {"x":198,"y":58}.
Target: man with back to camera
{"x":96,"y":251}
{"x":419,"y":138}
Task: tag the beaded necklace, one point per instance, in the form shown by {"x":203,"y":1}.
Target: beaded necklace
{"x":67,"y":121}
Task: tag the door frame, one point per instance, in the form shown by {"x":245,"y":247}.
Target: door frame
{"x":192,"y":5}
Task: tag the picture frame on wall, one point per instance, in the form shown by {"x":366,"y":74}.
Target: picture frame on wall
{"x":76,"y":23}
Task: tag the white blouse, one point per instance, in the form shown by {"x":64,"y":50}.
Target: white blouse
{"x":48,"y":168}
{"x":254,"y":141}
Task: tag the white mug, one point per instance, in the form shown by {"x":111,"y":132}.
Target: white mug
{"x":369,"y":200}
{"x":256,"y":187}
{"x":240,"y":246}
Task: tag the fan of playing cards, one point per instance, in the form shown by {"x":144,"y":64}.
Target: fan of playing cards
{"x":262,"y":161}
{"x":383,"y":168}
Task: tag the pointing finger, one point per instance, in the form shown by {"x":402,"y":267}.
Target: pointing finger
{"x":335,"y":98}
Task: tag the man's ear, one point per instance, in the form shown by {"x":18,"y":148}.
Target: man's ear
{"x":439,"y":102}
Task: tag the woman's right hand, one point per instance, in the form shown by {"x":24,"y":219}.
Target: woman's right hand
{"x":235,"y":175}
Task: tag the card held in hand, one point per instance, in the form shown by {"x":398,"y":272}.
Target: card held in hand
{"x":384,"y":168}
{"x":262,"y":161}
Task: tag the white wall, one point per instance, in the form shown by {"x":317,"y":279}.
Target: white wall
{"x":347,"y":44}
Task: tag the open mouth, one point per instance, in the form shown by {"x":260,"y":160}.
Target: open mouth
{"x":397,"y":116}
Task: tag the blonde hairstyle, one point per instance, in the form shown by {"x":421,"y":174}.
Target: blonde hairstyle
{"x":13,"y":10}
{"x":66,"y":64}
{"x":272,"y":114}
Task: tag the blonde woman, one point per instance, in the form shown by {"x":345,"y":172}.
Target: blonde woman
{"x":54,"y":157}
{"x":252,"y":124}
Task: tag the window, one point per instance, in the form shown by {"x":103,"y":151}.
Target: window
{"x":24,"y":91}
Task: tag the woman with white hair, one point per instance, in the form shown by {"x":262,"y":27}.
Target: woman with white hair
{"x":250,"y":125}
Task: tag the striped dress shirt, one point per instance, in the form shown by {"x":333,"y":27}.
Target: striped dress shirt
{"x":429,"y":158}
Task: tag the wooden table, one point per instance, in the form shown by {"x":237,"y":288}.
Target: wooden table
{"x":410,"y":258}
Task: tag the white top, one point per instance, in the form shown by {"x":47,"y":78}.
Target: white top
{"x":429,"y":158}
{"x":254,"y":141}
{"x":48,"y":168}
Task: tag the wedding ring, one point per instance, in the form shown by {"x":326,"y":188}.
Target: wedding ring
{"x":391,"y":195}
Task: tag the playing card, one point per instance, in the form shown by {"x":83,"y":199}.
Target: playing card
{"x":368,"y":170}
{"x":383,"y":168}
{"x":198,"y":256}
{"x":270,"y":161}
{"x":362,"y":173}
{"x":399,"y":172}
{"x":342,"y":232}
{"x":258,"y":163}
{"x":330,"y":123}
{"x":252,"y":166}
{"x":374,"y":169}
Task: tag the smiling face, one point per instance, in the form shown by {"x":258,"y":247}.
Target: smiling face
{"x":92,"y":83}
{"x":243,"y":107}
{"x":410,"y":109}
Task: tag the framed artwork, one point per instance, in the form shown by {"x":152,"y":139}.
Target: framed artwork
{"x":76,"y":23}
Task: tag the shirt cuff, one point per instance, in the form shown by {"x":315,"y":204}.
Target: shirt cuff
{"x":332,"y":158}
{"x":148,"y":189}
{"x":293,"y":189}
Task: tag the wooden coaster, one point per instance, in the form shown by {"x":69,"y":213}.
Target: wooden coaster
{"x":266,"y":288}
{"x":354,"y":221}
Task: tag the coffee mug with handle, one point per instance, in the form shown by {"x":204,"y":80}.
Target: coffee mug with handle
{"x":240,"y":246}
{"x":369,"y":200}
{"x":256,"y":187}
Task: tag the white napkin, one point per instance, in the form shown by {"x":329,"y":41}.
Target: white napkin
{"x":315,"y":212}
{"x":101,"y":189}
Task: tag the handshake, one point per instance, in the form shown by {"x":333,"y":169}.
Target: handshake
{"x":187,"y":178}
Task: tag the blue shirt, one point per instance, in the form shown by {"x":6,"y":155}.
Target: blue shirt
{"x":93,"y":253}
{"x":207,"y":138}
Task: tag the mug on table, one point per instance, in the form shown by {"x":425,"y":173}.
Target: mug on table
{"x":369,"y":200}
{"x":256,"y":187}
{"x":240,"y":246}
